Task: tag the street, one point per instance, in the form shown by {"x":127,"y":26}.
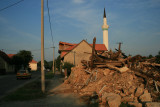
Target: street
{"x":9,"y":82}
{"x":54,"y":98}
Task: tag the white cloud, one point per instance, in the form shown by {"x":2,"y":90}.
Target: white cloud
{"x":85,"y":17}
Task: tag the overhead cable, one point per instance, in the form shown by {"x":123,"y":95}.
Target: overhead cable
{"x":50,"y":23}
{"x":11,"y":5}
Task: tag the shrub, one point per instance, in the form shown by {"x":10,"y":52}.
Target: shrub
{"x":68,"y":66}
{"x":158,"y":58}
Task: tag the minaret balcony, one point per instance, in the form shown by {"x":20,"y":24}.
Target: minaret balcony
{"x":105,"y":27}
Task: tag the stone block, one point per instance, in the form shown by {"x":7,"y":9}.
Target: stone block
{"x":139,"y":91}
{"x":136,"y":104}
{"x":146,"y":97}
{"x":113,"y":100}
{"x":127,"y":99}
{"x":152,"y":104}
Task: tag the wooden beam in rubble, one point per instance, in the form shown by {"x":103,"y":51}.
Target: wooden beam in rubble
{"x":93,"y":52}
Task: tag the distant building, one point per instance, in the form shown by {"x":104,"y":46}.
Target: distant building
{"x":74,"y":53}
{"x":6,"y":65}
{"x":33,"y":65}
{"x":11,"y":55}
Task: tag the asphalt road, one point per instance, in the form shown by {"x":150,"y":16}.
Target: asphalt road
{"x":9,"y":83}
{"x":54,"y":97}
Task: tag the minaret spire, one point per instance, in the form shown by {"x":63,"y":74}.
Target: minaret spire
{"x":104,"y":15}
{"x":105,"y":30}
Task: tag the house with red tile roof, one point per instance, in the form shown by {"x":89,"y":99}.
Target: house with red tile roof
{"x":6,"y":65}
{"x":11,"y":55}
{"x":33,"y":65}
{"x":74,"y":53}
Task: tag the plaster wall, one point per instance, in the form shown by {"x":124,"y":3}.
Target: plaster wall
{"x":33,"y":66}
{"x":82,"y":52}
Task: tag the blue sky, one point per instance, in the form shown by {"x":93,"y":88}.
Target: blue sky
{"x":136,"y":23}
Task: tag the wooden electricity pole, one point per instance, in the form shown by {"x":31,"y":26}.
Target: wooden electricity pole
{"x":42,"y":49}
{"x":53,"y":60}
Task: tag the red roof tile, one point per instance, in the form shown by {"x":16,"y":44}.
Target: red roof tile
{"x":100,"y":47}
{"x":5,"y":57}
{"x":65,"y":43}
{"x":63,"y":53}
{"x":70,"y":48}
{"x":33,"y":61}
{"x":11,"y":55}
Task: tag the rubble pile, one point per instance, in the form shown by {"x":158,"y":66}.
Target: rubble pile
{"x":88,"y":81}
{"x":112,"y":78}
{"x":127,"y":86}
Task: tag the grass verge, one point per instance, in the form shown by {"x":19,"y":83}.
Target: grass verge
{"x":28,"y":92}
{"x":49,"y":75}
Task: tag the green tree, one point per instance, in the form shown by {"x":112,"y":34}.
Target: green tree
{"x":150,"y":56}
{"x":25,"y":56}
{"x":50,"y":63}
{"x":158,"y":58}
{"x":46,"y":65}
{"x":17,"y":61}
{"x":58,"y":62}
{"x":68,"y":66}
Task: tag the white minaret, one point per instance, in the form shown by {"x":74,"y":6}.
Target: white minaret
{"x":105,"y":30}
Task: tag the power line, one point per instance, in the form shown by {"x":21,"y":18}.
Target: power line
{"x":50,"y":23}
{"x":11,"y":5}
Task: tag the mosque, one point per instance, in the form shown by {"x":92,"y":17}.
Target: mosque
{"x":75,"y":52}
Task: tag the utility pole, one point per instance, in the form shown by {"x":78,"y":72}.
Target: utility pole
{"x":42,"y":48}
{"x":53,"y":60}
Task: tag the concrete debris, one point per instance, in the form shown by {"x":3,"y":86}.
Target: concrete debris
{"x":129,"y":98}
{"x":127,"y":85}
{"x":146,"y":97}
{"x":139,"y":91}
{"x":124,"y":69}
{"x":117,"y":78}
{"x":112,"y":99}
{"x":135,"y":104}
{"x":152,"y":104}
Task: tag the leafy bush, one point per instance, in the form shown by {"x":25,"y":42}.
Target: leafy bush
{"x":158,"y":58}
{"x":68,"y":66}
